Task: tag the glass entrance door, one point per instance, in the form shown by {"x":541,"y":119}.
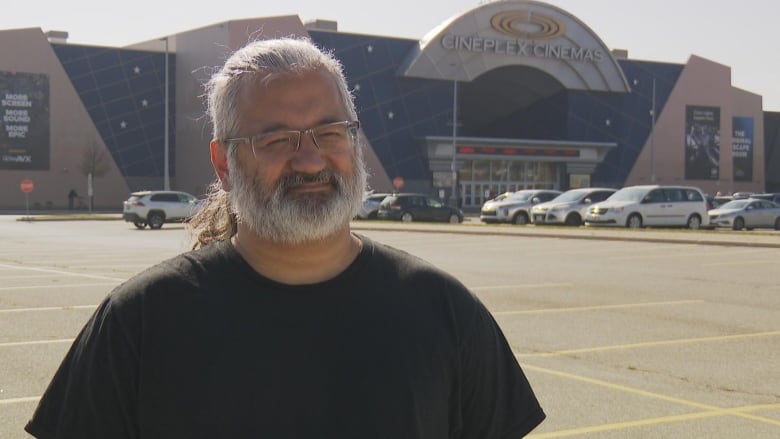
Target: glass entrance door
{"x":481,"y":180}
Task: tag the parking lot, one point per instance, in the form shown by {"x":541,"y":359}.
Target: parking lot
{"x":620,"y":335}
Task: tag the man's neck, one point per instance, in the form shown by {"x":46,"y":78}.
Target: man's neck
{"x":298,"y":264}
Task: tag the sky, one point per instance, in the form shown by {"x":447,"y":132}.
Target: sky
{"x":739,"y":34}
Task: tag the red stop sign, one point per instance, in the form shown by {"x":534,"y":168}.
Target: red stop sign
{"x":26,"y":186}
{"x":398,"y":182}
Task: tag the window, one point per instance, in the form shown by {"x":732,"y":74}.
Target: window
{"x":693,"y":195}
{"x":674,"y":195}
{"x":655,"y":196}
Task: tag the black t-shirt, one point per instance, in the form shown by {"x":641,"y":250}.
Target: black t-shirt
{"x":202,"y":346}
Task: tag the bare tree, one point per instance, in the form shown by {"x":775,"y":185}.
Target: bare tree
{"x":95,"y":163}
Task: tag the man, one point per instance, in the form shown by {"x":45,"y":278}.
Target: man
{"x":283,"y":323}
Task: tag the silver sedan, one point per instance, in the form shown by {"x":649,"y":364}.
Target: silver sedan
{"x":747,"y":214}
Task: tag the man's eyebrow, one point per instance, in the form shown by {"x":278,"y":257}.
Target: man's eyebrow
{"x":284,"y":127}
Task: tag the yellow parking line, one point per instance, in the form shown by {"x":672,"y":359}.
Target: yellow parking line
{"x":522,"y":286}
{"x":19,"y":400}
{"x":60,"y":272}
{"x":709,"y":410}
{"x":58,"y":286}
{"x":652,"y":344}
{"x":48,"y":308}
{"x":753,"y":262}
{"x":595,"y":307}
{"x":657,"y":421}
{"x":35,"y":342}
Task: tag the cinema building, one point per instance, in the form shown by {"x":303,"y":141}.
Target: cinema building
{"x":505,"y":96}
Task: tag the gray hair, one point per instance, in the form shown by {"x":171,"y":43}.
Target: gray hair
{"x":261,"y":60}
{"x":265,"y":60}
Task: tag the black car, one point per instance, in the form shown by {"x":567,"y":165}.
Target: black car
{"x":417,"y":207}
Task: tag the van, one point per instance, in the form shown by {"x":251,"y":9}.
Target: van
{"x":651,"y":206}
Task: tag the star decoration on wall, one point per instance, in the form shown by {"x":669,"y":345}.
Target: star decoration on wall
{"x":137,"y":70}
{"x":144,"y":103}
{"x":123,"y":124}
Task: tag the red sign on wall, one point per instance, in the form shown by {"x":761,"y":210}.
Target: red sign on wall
{"x":26,"y":186}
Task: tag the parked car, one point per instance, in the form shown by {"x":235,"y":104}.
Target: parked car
{"x":570,"y":207}
{"x":651,"y":205}
{"x":488,"y":212}
{"x":154,"y":208}
{"x":417,"y":207}
{"x":715,"y":201}
{"x":516,"y":208}
{"x":769,"y":196}
{"x":749,"y":213}
{"x":370,"y":205}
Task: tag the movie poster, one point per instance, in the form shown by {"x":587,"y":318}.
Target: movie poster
{"x":702,"y":143}
{"x":742,"y":148}
{"x":24,"y":126}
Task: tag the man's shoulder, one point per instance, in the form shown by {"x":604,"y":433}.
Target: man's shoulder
{"x":186,"y":271}
{"x":418,"y":274}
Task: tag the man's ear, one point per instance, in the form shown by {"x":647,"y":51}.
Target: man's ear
{"x":220,"y":162}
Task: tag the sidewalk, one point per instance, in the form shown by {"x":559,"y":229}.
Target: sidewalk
{"x":757,"y":238}
{"x":762,"y":238}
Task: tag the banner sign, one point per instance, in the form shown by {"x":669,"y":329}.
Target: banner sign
{"x":702,"y":143}
{"x":24,"y":121}
{"x":742,"y":148}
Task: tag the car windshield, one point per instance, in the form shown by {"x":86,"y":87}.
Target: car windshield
{"x":569,"y":196}
{"x":629,"y":194}
{"x":735,"y":204}
{"x":389,"y":200}
{"x":501,"y":196}
{"x":520,"y":196}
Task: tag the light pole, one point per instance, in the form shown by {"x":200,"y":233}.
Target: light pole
{"x":652,"y":137}
{"x":166,"y":176}
{"x":454,"y":165}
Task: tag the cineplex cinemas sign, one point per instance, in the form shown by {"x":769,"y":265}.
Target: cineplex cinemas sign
{"x":530,"y":32}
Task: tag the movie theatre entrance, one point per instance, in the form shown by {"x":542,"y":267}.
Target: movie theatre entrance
{"x":481,"y":180}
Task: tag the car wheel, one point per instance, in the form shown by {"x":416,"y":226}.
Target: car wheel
{"x":738,"y":224}
{"x":634,"y":221}
{"x":139,"y":224}
{"x":573,"y":220}
{"x":694,"y":222}
{"x":777,"y":223}
{"x":156,"y":220}
{"x":454,"y":219}
{"x":407,"y":217}
{"x":371,"y":216}
{"x":520,"y":219}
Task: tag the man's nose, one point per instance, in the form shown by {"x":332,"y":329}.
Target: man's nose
{"x":308,"y":158}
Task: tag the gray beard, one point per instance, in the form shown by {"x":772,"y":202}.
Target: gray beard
{"x":274,"y":215}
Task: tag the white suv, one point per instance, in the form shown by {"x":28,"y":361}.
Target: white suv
{"x":516,"y":208}
{"x":570,"y":207}
{"x":651,"y":205}
{"x":158,"y":207}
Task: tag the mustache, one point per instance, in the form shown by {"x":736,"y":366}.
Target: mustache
{"x":292,"y":180}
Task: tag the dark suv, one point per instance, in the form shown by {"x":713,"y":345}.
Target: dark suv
{"x":417,"y":207}
{"x":154,"y":208}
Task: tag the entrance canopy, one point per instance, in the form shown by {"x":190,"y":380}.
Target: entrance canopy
{"x":516,"y":33}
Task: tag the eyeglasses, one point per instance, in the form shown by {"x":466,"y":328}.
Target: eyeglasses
{"x":329,"y":137}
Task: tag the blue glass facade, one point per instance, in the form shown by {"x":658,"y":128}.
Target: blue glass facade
{"x":395,"y":112}
{"x":628,"y":115}
{"x":398,"y":112}
{"x":124,"y":93}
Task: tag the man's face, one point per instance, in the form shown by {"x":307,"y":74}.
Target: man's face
{"x":294,"y":197}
